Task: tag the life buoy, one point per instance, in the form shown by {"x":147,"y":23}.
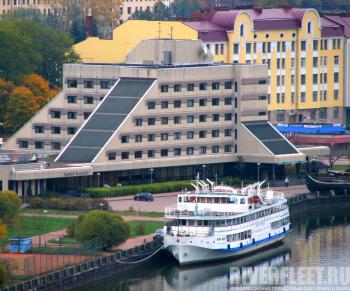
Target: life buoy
{"x":192,"y":198}
{"x":254,"y":200}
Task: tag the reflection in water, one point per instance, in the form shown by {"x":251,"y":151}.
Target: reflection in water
{"x":320,"y":239}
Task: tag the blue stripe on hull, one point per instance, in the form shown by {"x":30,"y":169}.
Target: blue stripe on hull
{"x":253,"y":244}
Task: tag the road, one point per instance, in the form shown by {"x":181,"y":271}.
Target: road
{"x":166,"y":199}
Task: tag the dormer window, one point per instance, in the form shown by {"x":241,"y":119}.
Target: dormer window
{"x":309,"y":27}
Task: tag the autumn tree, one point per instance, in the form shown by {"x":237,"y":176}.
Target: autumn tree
{"x":6,"y":88}
{"x":10,"y":205}
{"x":20,"y":108}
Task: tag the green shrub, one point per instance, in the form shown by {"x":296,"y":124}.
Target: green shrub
{"x":35,"y":202}
{"x":71,"y":228}
{"x":134,"y":189}
{"x":347,"y":170}
{"x":108,"y":227}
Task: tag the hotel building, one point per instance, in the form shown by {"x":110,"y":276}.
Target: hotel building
{"x":168,"y":108}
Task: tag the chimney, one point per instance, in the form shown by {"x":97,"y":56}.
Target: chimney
{"x":90,"y":24}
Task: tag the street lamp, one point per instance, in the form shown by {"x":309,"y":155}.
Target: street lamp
{"x":98,"y":179}
{"x":203,"y":166}
{"x":108,"y":187}
{"x":258,"y":164}
{"x":151,"y":170}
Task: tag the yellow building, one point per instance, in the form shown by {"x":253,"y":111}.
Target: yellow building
{"x":303,"y":51}
{"x":127,"y":36}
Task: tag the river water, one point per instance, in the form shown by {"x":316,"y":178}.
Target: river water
{"x":318,"y":239}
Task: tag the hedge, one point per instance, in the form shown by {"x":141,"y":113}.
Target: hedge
{"x":66,"y":203}
{"x":134,"y":189}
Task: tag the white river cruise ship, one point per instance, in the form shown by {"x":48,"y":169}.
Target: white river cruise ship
{"x":219,"y":222}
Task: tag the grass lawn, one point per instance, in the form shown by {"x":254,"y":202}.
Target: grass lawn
{"x":34,"y":225}
{"x":341,"y":167}
{"x":79,"y":212}
{"x":150,"y":226}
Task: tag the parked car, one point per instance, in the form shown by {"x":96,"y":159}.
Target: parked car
{"x":146,"y":196}
{"x":158,"y":234}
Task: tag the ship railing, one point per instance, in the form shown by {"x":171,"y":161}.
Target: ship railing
{"x":173,"y":212}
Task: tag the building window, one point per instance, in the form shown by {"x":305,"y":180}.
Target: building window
{"x":71,"y":130}
{"x":202,"y":118}
{"x":71,"y":115}
{"x":222,"y":49}
{"x":164,"y":120}
{"x":164,"y":104}
{"x":151,"y":153}
{"x":242,"y":30}
{"x":216,"y":117}
{"x":151,"y":121}
{"x":203,"y":86}
{"x":138,"y":154}
{"x":177,"y":88}
{"x":215,"y":86}
{"x":55,"y":114}
{"x":23,"y":144}
{"x":280,"y":117}
{"x":190,"y":151}
{"x":315,"y":44}
{"x":190,"y":87}
{"x":314,"y":79}
{"x":236,"y":133}
{"x":151,"y":137}
{"x":303,"y":45}
{"x":164,"y":88}
{"x":177,"y":135}
{"x":190,"y":103}
{"x":202,"y":102}
{"x":151,"y":105}
{"x":39,"y":145}
{"x":314,"y":96}
{"x":228,"y":85}
{"x":177,"y":104}
{"x":236,"y":48}
{"x":228,"y":148}
{"x":56,"y":146}
{"x":138,"y":138}
{"x":129,"y":10}
{"x":228,"y":132}
{"x":262,"y":82}
{"x":336,"y":60}
{"x":72,"y":83}
{"x":190,"y":135}
{"x":228,"y":101}
{"x":112,"y":156}
{"x":216,"y":48}
{"x":88,"y":100}
{"x":88,"y":84}
{"x":322,"y":113}
{"x":303,"y":80}
{"x":303,"y":62}
{"x":125,"y":139}
{"x":336,"y":94}
{"x":202,"y":134}
{"x":39,"y":129}
{"x":215,"y":102}
{"x":336,"y":77}
{"x":293,"y":46}
{"x":125,"y":155}
{"x":202,"y":150}
{"x":248,"y":48}
{"x":138,"y":122}
{"x":177,"y":151}
{"x":55,"y":130}
{"x":313,"y":114}
{"x":336,"y":112}
{"x":215,"y":149}
{"x":315,"y":62}
{"x":104,"y":84}
{"x":302,"y":97}
{"x":228,"y":116}
{"x":164,"y":136}
{"x":215,"y":133}
{"x":177,"y":119}
{"x":86,"y":115}
{"x":164,"y":152}
{"x":72,"y":99}
{"x":190,"y":119}
{"x":309,"y":27}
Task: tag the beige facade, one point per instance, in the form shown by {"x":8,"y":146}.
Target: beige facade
{"x":42,"y":6}
{"x":129,"y":7}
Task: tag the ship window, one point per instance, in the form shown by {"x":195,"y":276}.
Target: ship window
{"x":183,"y":222}
{"x":200,"y":222}
{"x":216,"y":199}
{"x":206,"y":222}
{"x":242,"y":201}
{"x":180,"y":199}
{"x":191,"y":222}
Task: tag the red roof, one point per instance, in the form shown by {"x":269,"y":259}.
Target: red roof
{"x":344,"y":21}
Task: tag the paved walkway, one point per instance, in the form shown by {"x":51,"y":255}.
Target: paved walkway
{"x":44,"y":238}
{"x":136,"y":241}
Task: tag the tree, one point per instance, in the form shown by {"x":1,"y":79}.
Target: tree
{"x":78,"y":30}
{"x":109,"y":227}
{"x":3,"y":274}
{"x":184,"y":8}
{"x":6,"y":88}
{"x":20,"y":108}
{"x":10,"y":205}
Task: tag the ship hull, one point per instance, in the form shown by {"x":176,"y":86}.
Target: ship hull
{"x":190,"y":254}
